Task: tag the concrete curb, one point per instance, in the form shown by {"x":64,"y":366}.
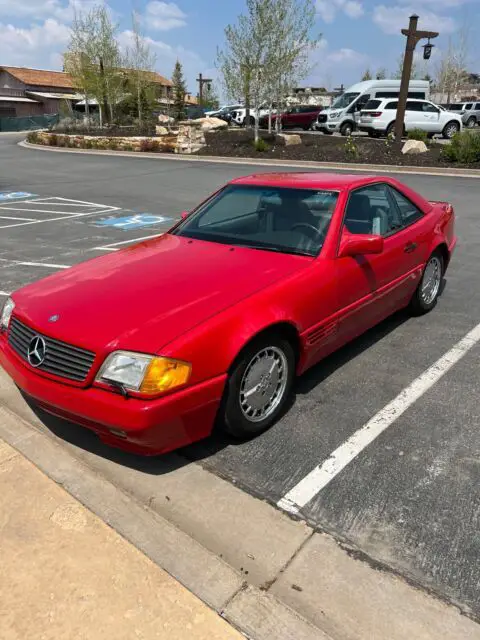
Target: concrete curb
{"x":362,"y":168}
{"x":259,"y":615}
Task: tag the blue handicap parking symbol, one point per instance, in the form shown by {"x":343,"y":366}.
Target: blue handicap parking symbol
{"x":14,"y":195}
{"x":136,"y":221}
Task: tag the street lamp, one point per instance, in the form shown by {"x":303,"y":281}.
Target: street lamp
{"x":427,"y":50}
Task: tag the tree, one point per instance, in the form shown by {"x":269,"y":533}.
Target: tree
{"x":415,"y":75}
{"x":367,"y":75}
{"x":381,"y":74}
{"x":211,"y":101}
{"x":140,"y":62}
{"x":267,"y":51}
{"x":93,"y":59}
{"x":451,"y":71}
{"x":179,"y":92}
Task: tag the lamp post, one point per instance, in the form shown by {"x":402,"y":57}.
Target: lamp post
{"x":202,"y":81}
{"x":413,"y":37}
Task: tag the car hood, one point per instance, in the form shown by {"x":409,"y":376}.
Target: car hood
{"x":143,"y":297}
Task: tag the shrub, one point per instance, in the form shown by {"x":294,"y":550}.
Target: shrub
{"x":61,"y":142}
{"x":418,"y":134}
{"x":149,"y":145}
{"x":261,"y":145}
{"x":463,"y":148}
{"x":128,"y":147}
{"x":32,"y":137}
{"x":87,"y":144}
{"x":351,"y":149}
{"x":53,"y":140}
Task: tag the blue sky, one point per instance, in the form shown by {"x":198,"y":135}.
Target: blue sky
{"x":356,"y":33}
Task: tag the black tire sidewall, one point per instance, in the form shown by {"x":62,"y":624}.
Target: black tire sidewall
{"x":231,"y":416}
{"x":346,"y":129}
{"x":444,"y":133}
{"x":417,"y":304}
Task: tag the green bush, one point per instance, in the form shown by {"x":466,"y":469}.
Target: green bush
{"x":32,"y":137}
{"x":261,"y":145}
{"x":351,"y":149}
{"x":464,"y":148}
{"x":87,"y":144}
{"x":418,"y":134}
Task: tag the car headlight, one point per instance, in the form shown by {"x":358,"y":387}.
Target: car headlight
{"x":7,"y":311}
{"x":148,"y":375}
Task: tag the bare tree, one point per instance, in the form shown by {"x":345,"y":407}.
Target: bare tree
{"x":451,"y":70}
{"x":381,"y":74}
{"x":141,"y":63}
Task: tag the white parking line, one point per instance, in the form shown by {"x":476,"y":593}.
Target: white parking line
{"x":113,"y":246}
{"x":12,"y":218}
{"x":57,"y":213}
{"x":48,"y":265}
{"x":64,"y":217}
{"x":322,"y":475}
{"x":4,"y":293}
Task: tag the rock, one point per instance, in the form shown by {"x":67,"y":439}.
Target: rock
{"x":161,"y":131}
{"x":163,"y":119}
{"x":414,"y":146}
{"x":288,"y":139}
{"x":205,"y":124}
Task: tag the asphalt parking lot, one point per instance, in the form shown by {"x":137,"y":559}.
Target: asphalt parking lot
{"x":410,"y":500}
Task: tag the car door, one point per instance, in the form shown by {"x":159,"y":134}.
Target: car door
{"x":431,"y":116}
{"x":293,"y":118}
{"x":414,"y":116}
{"x":371,"y":287}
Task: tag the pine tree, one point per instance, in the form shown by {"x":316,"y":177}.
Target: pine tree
{"x":367,"y":75}
{"x":179,"y":92}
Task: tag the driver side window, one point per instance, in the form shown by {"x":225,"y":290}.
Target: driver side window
{"x":369,"y":210}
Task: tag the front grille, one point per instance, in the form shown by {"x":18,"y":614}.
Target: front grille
{"x":61,"y":359}
{"x":322,"y":117}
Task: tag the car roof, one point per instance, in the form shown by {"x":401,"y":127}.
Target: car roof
{"x":304,"y":180}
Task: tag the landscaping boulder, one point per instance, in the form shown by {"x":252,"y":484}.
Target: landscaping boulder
{"x":288,"y":139}
{"x":206,"y":124}
{"x":413,"y":147}
{"x":161,"y":131}
{"x":163,"y":119}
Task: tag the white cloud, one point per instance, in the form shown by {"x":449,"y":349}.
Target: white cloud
{"x":393,"y":19}
{"x":36,"y":46}
{"x":327,"y":9}
{"x":163,"y":16}
{"x":39,"y":9}
{"x":348,"y":57}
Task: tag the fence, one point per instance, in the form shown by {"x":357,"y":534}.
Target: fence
{"x":28,"y":123}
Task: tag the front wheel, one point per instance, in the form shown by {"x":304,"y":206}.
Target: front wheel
{"x":426,"y":296}
{"x":258,"y":387}
{"x":450,"y":129}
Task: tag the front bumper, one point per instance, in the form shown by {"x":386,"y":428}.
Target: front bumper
{"x":148,"y":427}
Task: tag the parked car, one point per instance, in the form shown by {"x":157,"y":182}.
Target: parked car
{"x":239,"y":116}
{"x":224,"y":113}
{"x":297,"y":117}
{"x":470,"y":112}
{"x":344,"y":114}
{"x":378,"y":118}
{"x":211,"y":322}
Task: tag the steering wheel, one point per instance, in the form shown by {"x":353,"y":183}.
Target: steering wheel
{"x":308,"y":226}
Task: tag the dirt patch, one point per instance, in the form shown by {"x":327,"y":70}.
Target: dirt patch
{"x":238,"y":143}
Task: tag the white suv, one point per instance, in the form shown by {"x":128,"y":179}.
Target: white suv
{"x":378,"y":118}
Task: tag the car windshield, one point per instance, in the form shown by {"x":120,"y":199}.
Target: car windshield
{"x":456,"y":107}
{"x":344,"y":100}
{"x":265,"y":218}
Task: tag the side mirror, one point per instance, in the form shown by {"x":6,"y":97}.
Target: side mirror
{"x":184,"y":215}
{"x":359,"y":244}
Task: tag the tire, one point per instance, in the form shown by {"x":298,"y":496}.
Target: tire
{"x":390,"y":130}
{"x":450,"y":129}
{"x":421,"y":303}
{"x":347,"y":129}
{"x":239,"y":415}
{"x":471,"y":122}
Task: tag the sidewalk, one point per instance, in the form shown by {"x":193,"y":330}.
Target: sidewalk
{"x":65,"y":574}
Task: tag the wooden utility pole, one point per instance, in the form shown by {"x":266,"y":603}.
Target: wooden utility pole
{"x":413,"y":37}
{"x":201,"y":81}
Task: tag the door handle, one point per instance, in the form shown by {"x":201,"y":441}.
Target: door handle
{"x":410,"y":247}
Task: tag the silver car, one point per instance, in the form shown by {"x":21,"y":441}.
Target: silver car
{"x":470,"y":112}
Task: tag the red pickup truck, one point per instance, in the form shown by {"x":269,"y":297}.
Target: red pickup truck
{"x":301,"y":117}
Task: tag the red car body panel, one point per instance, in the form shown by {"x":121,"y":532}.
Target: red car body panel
{"x":202,"y":302}
{"x":295,"y":119}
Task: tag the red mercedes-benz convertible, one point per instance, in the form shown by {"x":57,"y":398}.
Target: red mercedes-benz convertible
{"x":210,"y":323}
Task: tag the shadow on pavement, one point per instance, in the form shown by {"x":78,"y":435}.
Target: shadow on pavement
{"x":82,"y":438}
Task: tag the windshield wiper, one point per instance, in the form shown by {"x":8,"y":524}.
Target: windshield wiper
{"x":259,"y":247}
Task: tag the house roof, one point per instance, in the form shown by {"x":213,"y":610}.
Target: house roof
{"x":62,"y":80}
{"x":39,"y":77}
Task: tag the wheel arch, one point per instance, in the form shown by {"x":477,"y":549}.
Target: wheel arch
{"x":442,"y":248}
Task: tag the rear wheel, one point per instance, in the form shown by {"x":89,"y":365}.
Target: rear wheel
{"x":347,"y":129}
{"x":450,"y":129}
{"x":426,"y":296}
{"x":471,"y":122}
{"x":258,"y":387}
{"x":391,"y":130}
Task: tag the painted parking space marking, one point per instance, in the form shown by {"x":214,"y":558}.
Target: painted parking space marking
{"x":323,"y":474}
{"x":116,"y":246}
{"x":4,"y":293}
{"x":7,"y":196}
{"x":136,"y":221}
{"x":13,"y":218}
{"x":47,"y":265}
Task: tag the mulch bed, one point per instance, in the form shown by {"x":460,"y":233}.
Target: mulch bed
{"x":238,"y":143}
